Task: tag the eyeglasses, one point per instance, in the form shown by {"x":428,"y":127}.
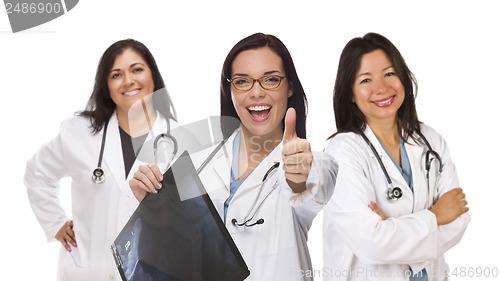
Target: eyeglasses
{"x":266,"y":82}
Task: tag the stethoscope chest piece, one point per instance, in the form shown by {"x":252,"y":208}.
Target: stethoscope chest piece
{"x":98,"y":176}
{"x":394,"y":193}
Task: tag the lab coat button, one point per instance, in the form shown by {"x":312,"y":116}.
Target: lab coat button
{"x":111,"y":277}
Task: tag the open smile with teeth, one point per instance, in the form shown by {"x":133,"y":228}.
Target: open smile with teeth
{"x":132,"y":92}
{"x":385,"y":102}
{"x":259,"y":108}
{"x":259,"y":113}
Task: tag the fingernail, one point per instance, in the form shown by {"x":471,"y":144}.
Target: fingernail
{"x":154,"y":191}
{"x":158,"y":185}
{"x":160,"y":177}
{"x":69,"y":250}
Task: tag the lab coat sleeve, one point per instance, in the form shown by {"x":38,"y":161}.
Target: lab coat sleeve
{"x":450,"y":234}
{"x":41,"y":178}
{"x":403,"y":240}
{"x":319,"y":186}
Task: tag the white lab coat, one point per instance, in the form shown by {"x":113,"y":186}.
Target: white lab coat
{"x":358,"y":244}
{"x":99,"y":211}
{"x":277,"y":249}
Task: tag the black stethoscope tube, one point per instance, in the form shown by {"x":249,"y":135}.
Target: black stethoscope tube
{"x":259,"y":221}
{"x":98,"y":173}
{"x":394,"y":193}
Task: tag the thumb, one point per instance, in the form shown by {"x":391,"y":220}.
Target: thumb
{"x":290,"y":118}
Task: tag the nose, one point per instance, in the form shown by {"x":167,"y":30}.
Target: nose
{"x":129,"y":80}
{"x":257,"y":91}
{"x":379,"y":86}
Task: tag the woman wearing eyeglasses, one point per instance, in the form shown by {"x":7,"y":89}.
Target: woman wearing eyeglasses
{"x":397,"y":206}
{"x":267,"y":219}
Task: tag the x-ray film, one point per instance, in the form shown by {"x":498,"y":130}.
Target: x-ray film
{"x":172,"y":239}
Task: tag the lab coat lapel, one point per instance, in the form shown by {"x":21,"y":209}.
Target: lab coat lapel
{"x":415,"y":153}
{"x":396,"y":177}
{"x":255,"y":178}
{"x":223,"y":159}
{"x":113,"y":156}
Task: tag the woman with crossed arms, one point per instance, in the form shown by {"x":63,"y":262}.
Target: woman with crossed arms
{"x":397,"y":206}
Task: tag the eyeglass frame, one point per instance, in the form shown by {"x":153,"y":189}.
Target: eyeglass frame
{"x":253,"y":83}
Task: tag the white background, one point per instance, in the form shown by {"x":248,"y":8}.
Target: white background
{"x":47,"y":73}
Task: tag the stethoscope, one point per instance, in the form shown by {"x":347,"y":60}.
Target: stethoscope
{"x":395,"y":193}
{"x":98,"y":173}
{"x":249,"y":218}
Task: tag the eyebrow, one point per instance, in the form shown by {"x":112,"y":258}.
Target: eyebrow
{"x":368,"y":73}
{"x":265,"y":73}
{"x":132,"y":65}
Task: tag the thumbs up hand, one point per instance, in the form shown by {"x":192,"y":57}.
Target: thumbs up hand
{"x":297,"y":155}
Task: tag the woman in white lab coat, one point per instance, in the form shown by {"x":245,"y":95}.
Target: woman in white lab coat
{"x":127,"y":73}
{"x":258,"y":84}
{"x":374,"y":230}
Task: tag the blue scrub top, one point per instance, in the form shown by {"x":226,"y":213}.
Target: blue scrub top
{"x":235,"y":182}
{"x":405,"y":168}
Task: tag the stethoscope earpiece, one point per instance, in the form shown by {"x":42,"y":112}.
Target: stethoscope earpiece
{"x":235,"y":223}
{"x":260,"y":221}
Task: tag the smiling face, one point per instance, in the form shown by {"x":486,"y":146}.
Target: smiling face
{"x":378,"y":91}
{"x":260,"y":111}
{"x":129,"y":80}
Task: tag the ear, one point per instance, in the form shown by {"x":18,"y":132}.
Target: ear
{"x":290,"y":90}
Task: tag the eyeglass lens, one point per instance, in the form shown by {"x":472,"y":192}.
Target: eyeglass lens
{"x":266,"y":82}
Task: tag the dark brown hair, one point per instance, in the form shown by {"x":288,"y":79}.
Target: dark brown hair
{"x":348,"y":117}
{"x":298,"y":100}
{"x":100,"y":106}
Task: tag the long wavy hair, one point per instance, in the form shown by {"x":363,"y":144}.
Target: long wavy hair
{"x":100,"y":106}
{"x":298,"y":100}
{"x":348,"y":116}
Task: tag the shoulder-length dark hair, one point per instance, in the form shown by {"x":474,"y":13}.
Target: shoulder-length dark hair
{"x":348,"y":117}
{"x":298,"y":100}
{"x":100,"y":106}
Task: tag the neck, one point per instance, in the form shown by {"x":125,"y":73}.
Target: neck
{"x":386,"y":132}
{"x":136,"y":123}
{"x":254,"y":148}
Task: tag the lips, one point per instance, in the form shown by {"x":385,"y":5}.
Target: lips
{"x":384,"y":102}
{"x":259,"y":112}
{"x":131,"y":93}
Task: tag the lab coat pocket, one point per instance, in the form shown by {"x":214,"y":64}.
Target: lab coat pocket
{"x":280,"y":225}
{"x":80,"y":254}
{"x":69,"y":269}
{"x":79,"y":257}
